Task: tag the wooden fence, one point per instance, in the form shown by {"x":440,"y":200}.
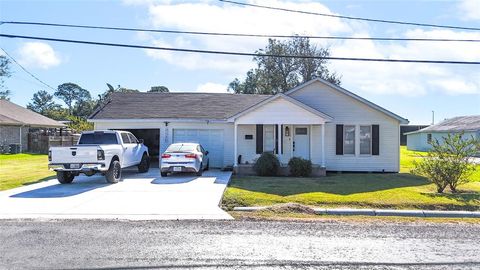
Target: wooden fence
{"x":41,"y":143}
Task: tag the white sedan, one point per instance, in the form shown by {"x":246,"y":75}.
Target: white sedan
{"x":184,"y":157}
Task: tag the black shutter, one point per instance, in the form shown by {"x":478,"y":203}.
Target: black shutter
{"x":259,"y":139}
{"x":281,"y":139}
{"x":276,"y":139}
{"x":375,"y":140}
{"x":339,"y":140}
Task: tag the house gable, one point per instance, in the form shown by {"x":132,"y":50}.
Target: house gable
{"x":335,"y":96}
{"x":280,"y":109}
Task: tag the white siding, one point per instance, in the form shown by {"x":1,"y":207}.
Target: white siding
{"x":166,"y":133}
{"x":348,"y":111}
{"x":247,"y":148}
{"x":279,"y":111}
{"x":419,"y":141}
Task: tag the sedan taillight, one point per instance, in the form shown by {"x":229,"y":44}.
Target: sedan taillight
{"x":100,"y":155}
{"x":190,"y":156}
{"x":166,"y":156}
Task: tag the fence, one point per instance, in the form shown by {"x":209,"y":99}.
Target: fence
{"x":38,"y":143}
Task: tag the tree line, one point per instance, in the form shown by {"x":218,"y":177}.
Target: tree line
{"x":79,"y":103}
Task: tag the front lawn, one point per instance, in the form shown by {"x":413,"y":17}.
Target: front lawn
{"x":22,"y":169}
{"x":359,"y":190}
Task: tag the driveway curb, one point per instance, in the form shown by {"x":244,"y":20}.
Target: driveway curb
{"x":378,"y":212}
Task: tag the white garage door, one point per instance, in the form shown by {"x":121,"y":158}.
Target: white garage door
{"x":210,"y":139}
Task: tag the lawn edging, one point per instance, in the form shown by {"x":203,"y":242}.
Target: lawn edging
{"x":376,"y":212}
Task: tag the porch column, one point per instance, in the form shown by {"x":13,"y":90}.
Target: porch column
{"x":323,"y":144}
{"x":235,"y":153}
{"x":278,"y":139}
{"x":310,"y":138}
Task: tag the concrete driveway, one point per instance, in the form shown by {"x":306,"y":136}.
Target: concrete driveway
{"x":137,"y":197}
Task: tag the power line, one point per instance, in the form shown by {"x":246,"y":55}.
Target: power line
{"x":352,"y":18}
{"x":235,"y":34}
{"x":28,"y":72}
{"x":238,"y":53}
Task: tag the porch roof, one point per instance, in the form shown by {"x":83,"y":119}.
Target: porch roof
{"x":280,"y":109}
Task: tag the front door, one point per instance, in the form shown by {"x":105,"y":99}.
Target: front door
{"x":301,"y":142}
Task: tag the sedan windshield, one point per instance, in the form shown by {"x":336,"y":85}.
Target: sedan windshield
{"x":98,"y":138}
{"x":181,"y":148}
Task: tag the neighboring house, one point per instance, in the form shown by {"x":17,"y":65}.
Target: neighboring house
{"x":16,"y":121}
{"x":404,"y":129}
{"x":317,"y":120}
{"x":419,"y":140}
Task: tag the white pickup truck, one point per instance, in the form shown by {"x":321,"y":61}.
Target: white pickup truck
{"x":106,"y":152}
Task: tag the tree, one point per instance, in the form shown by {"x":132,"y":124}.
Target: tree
{"x":72,"y":94}
{"x":275,"y":74}
{"x":448,"y":163}
{"x":43,"y":103}
{"x":79,"y":124}
{"x":4,"y":73}
{"x":159,"y":89}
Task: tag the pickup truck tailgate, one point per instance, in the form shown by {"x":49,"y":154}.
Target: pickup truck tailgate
{"x":74,"y":154}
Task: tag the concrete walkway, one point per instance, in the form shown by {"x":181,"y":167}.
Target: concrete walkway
{"x":378,"y":212}
{"x":137,"y":197}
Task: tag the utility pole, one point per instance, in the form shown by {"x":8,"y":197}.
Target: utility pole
{"x":433,"y":117}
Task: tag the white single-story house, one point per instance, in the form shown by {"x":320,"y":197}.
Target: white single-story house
{"x":334,"y":128}
{"x":419,"y":140}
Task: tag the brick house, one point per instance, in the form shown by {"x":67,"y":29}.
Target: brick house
{"x":16,"y":122}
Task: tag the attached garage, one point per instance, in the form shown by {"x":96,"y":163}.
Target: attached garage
{"x":210,"y":139}
{"x":151,"y":138}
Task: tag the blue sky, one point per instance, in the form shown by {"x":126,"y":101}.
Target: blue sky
{"x":410,"y":90}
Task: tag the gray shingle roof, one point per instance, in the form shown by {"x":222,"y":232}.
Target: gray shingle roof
{"x":13,"y":114}
{"x":455,"y":124}
{"x":209,"y":106}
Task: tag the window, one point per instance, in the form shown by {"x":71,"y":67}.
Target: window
{"x":429,"y":138}
{"x":132,"y":138}
{"x":268,"y":138}
{"x":349,"y":140}
{"x":98,"y":138}
{"x":125,"y":138}
{"x":301,"y":131}
{"x":180,"y":147}
{"x":365,"y":140}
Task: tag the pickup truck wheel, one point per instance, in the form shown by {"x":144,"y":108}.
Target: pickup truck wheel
{"x":65,"y":177}
{"x":144,"y":165}
{"x":163,"y":174}
{"x":114,"y":173}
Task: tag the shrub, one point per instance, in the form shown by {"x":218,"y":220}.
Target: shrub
{"x":448,"y":163}
{"x":267,"y":165}
{"x":300,"y":167}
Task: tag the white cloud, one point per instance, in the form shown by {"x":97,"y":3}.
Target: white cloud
{"x":411,"y":79}
{"x":469,"y":10}
{"x":38,"y":54}
{"x":227,"y":18}
{"x":210,"y":87}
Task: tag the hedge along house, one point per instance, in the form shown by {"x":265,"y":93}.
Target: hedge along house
{"x":16,"y":122}
{"x":420,"y":140}
{"x":334,"y":128}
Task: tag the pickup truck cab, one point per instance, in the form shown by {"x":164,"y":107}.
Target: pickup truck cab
{"x":105,"y":152}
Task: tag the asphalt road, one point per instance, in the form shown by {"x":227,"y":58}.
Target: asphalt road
{"x":236,"y":245}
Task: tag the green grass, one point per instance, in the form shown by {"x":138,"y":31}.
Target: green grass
{"x":23,"y":169}
{"x":360,"y":190}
